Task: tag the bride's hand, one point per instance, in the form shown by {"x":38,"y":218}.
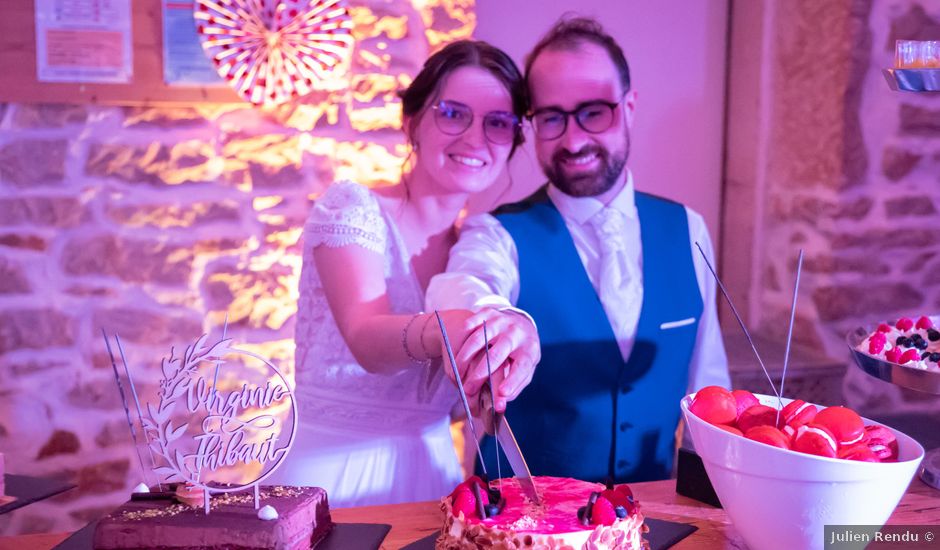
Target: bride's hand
{"x":459,"y":325}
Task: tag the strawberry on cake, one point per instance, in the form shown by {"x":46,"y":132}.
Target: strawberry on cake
{"x":573,"y":514}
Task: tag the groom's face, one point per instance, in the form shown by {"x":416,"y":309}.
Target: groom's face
{"x":579,"y":162}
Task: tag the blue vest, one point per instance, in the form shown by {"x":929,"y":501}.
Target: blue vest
{"x":588,"y":414}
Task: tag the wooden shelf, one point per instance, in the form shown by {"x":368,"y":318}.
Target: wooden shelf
{"x":18,"y":63}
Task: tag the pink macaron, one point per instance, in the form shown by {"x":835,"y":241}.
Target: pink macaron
{"x":844,"y":423}
{"x":815,"y":439}
{"x":715,"y":405}
{"x":882,"y":442}
{"x":768,"y":435}
{"x":758,"y":415}
{"x":859,"y":452}
{"x":789,"y":431}
{"x":798,"y":413}
{"x":730,"y":429}
{"x":745,"y":400}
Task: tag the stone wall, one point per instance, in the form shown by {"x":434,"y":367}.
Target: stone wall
{"x":157,"y":222}
{"x":841,"y":166}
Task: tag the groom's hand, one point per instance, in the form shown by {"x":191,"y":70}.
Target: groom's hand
{"x":513,"y":354}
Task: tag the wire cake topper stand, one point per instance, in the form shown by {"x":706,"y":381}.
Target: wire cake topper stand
{"x":196,"y":433}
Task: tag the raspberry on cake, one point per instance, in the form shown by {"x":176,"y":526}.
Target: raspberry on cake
{"x":562,"y":520}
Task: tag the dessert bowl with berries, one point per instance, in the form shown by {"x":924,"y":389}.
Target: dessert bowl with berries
{"x":782,"y":477}
{"x":905,"y":352}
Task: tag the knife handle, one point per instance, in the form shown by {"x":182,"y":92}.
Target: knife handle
{"x":488,"y":413}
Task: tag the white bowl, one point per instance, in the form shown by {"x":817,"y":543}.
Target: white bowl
{"x":783,"y":499}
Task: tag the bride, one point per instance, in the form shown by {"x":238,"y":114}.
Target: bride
{"x":374,"y":393}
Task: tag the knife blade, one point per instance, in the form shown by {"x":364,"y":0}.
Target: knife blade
{"x":489,"y":384}
{"x":460,"y":390}
{"x":514,"y":456}
{"x":497,"y":425}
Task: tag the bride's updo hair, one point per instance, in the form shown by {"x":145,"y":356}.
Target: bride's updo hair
{"x":416,"y":98}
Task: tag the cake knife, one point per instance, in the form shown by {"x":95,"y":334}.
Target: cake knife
{"x":513,"y":454}
{"x":497,"y":425}
{"x":506,"y":439}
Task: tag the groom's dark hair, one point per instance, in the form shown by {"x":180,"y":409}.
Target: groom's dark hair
{"x":570,"y":32}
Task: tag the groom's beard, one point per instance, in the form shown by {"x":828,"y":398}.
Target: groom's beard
{"x":588,"y":184}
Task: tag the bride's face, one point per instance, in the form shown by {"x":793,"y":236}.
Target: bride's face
{"x":464,"y":136}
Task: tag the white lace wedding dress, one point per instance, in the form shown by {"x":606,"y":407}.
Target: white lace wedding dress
{"x":366,"y":438}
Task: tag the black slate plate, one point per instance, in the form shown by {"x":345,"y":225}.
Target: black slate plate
{"x":28,"y":489}
{"x":355,"y":536}
{"x":663,"y":534}
{"x":344,"y":536}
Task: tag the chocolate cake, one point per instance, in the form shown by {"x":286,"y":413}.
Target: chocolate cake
{"x":303,"y":520}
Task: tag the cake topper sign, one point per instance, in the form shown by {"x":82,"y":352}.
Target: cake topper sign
{"x":197,"y":433}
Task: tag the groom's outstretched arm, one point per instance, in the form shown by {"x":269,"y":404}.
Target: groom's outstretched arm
{"x":483,"y":275}
{"x":482,"y":271}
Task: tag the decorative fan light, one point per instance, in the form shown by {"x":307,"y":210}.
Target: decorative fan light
{"x":272,"y":51}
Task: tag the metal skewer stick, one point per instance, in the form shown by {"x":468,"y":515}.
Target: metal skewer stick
{"x":127,"y":411}
{"x":786,"y":357}
{"x":740,"y":321}
{"x":140,"y":415}
{"x":489,"y":373}
{"x":214,"y":393}
{"x":463,"y":395}
{"x":218,"y":362}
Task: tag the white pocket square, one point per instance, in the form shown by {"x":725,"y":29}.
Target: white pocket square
{"x":676,"y":324}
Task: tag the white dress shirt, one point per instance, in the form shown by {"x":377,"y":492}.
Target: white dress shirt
{"x":483,"y":271}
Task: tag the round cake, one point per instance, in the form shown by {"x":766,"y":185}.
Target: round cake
{"x":573,"y":514}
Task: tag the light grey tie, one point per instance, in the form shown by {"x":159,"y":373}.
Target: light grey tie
{"x":620,"y":284}
{"x":610,"y":225}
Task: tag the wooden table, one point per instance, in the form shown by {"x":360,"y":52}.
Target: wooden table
{"x":410,"y":522}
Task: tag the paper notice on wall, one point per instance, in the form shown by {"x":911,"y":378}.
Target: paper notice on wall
{"x":184,"y":61}
{"x":84,"y":41}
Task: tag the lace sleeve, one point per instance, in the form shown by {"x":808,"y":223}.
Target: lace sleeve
{"x":347,"y":213}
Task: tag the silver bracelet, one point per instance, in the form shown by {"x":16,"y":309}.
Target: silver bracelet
{"x":424,"y":347}
{"x":404,"y":342}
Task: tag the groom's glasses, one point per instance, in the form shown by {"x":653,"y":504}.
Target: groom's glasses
{"x":455,"y":118}
{"x":593,"y":117}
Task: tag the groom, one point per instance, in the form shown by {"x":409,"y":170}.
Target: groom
{"x":624,"y":304}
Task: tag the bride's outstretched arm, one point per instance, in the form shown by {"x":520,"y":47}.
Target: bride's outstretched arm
{"x":382,"y":342}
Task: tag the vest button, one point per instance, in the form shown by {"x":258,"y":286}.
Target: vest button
{"x":624,"y":426}
{"x":626,"y":389}
{"x":622,"y":463}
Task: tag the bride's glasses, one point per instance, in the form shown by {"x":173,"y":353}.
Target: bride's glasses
{"x":454,"y":118}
